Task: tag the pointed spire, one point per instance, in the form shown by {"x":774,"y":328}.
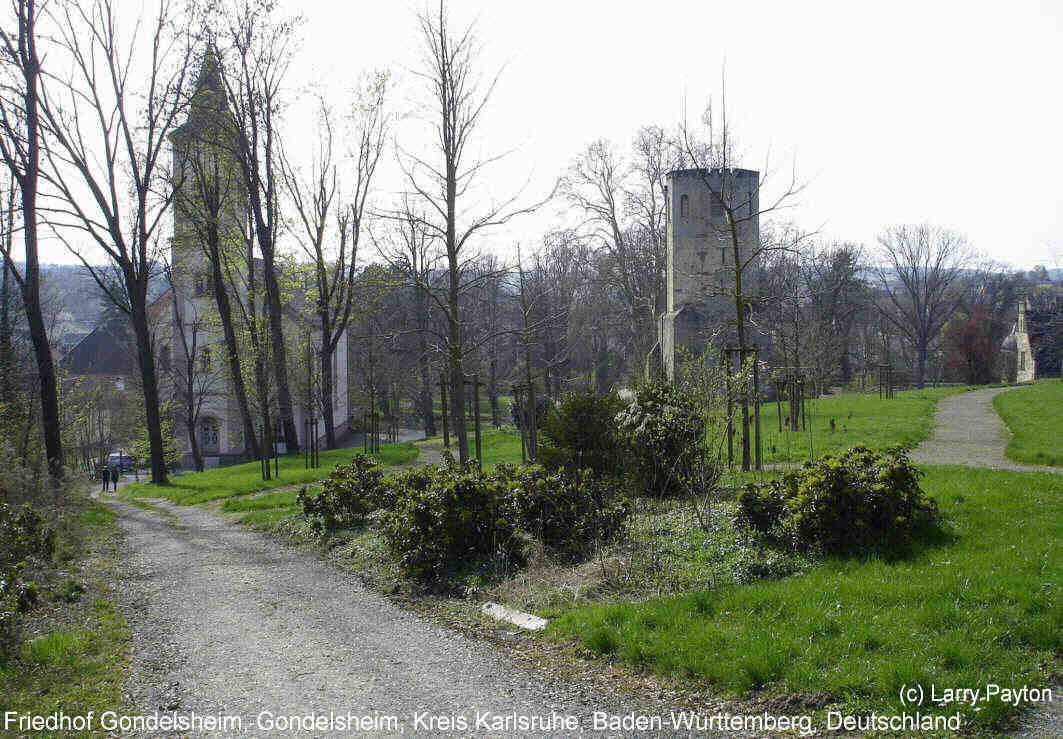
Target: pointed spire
{"x":209,"y":102}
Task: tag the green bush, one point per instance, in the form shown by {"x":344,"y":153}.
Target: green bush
{"x":349,"y":494}
{"x":856,"y":501}
{"x":25,"y":540}
{"x":580,"y":433}
{"x":760,"y":506}
{"x":446,"y":518}
{"x":663,"y":437}
{"x":567,"y":512}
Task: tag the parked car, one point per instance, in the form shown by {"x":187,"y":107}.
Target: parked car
{"x":124,"y":462}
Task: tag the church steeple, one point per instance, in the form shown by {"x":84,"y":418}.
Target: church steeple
{"x":206,"y":176}
{"x":208,"y":108}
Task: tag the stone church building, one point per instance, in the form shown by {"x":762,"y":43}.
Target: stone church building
{"x":221,"y":194}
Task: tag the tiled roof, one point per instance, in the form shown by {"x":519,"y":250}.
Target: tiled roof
{"x":108,"y":350}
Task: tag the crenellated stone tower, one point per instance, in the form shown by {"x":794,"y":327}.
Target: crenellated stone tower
{"x":705,"y":208}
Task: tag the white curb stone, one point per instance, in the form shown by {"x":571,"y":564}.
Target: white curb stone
{"x":517,"y":618}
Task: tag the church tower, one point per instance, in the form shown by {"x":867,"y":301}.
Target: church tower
{"x":699,"y":303}
{"x":209,"y":211}
{"x":210,"y":191}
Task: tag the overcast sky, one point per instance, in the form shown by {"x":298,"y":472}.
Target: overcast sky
{"x":948,"y":112}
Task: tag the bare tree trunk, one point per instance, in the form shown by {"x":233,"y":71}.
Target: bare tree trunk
{"x":190,"y":420}
{"x":740,"y":324}
{"x":25,"y":166}
{"x":146,"y":361}
{"x":457,"y":371}
{"x":920,"y":366}
{"x":327,"y":382}
{"x":424,"y":365}
{"x":232,"y":349}
{"x":6,"y":352}
{"x":31,"y":298}
{"x":492,"y":387}
{"x":280,"y":357}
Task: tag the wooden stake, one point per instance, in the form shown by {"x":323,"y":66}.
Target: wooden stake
{"x":756,"y":409}
{"x":476,"y":419}
{"x":443,"y":401}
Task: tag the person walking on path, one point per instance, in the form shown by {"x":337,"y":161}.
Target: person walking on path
{"x":114,"y":477}
{"x":105,"y":474}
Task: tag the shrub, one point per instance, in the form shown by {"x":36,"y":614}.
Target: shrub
{"x":760,"y":506}
{"x":567,"y":512}
{"x":663,"y":437}
{"x":581,"y":433}
{"x":24,"y":539}
{"x":349,"y":494}
{"x":444,"y":518}
{"x":853,"y":502}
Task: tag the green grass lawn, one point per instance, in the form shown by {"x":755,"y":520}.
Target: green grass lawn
{"x":279,"y":499}
{"x":237,"y":485}
{"x":859,"y":418}
{"x":264,"y":519}
{"x":1033,"y":414}
{"x":505,"y":402}
{"x":501,"y":445}
{"x":241,"y":479}
{"x":979,"y":606}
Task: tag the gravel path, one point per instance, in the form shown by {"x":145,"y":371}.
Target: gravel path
{"x":228,"y":621}
{"x":968,"y":431}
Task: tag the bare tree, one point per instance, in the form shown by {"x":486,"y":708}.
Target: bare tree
{"x":714,"y":157}
{"x":920,"y":274}
{"x":261,"y":52}
{"x":414,"y":258}
{"x":8,"y":308}
{"x":560,"y":267}
{"x":623,"y":200}
{"x":838,"y":294}
{"x":107,"y":141}
{"x":210,"y":205}
{"x":457,"y":107}
{"x":194,"y":377}
{"x":316,"y":203}
{"x":20,"y":141}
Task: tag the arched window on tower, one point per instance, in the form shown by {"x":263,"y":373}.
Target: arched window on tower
{"x":684,"y":206}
